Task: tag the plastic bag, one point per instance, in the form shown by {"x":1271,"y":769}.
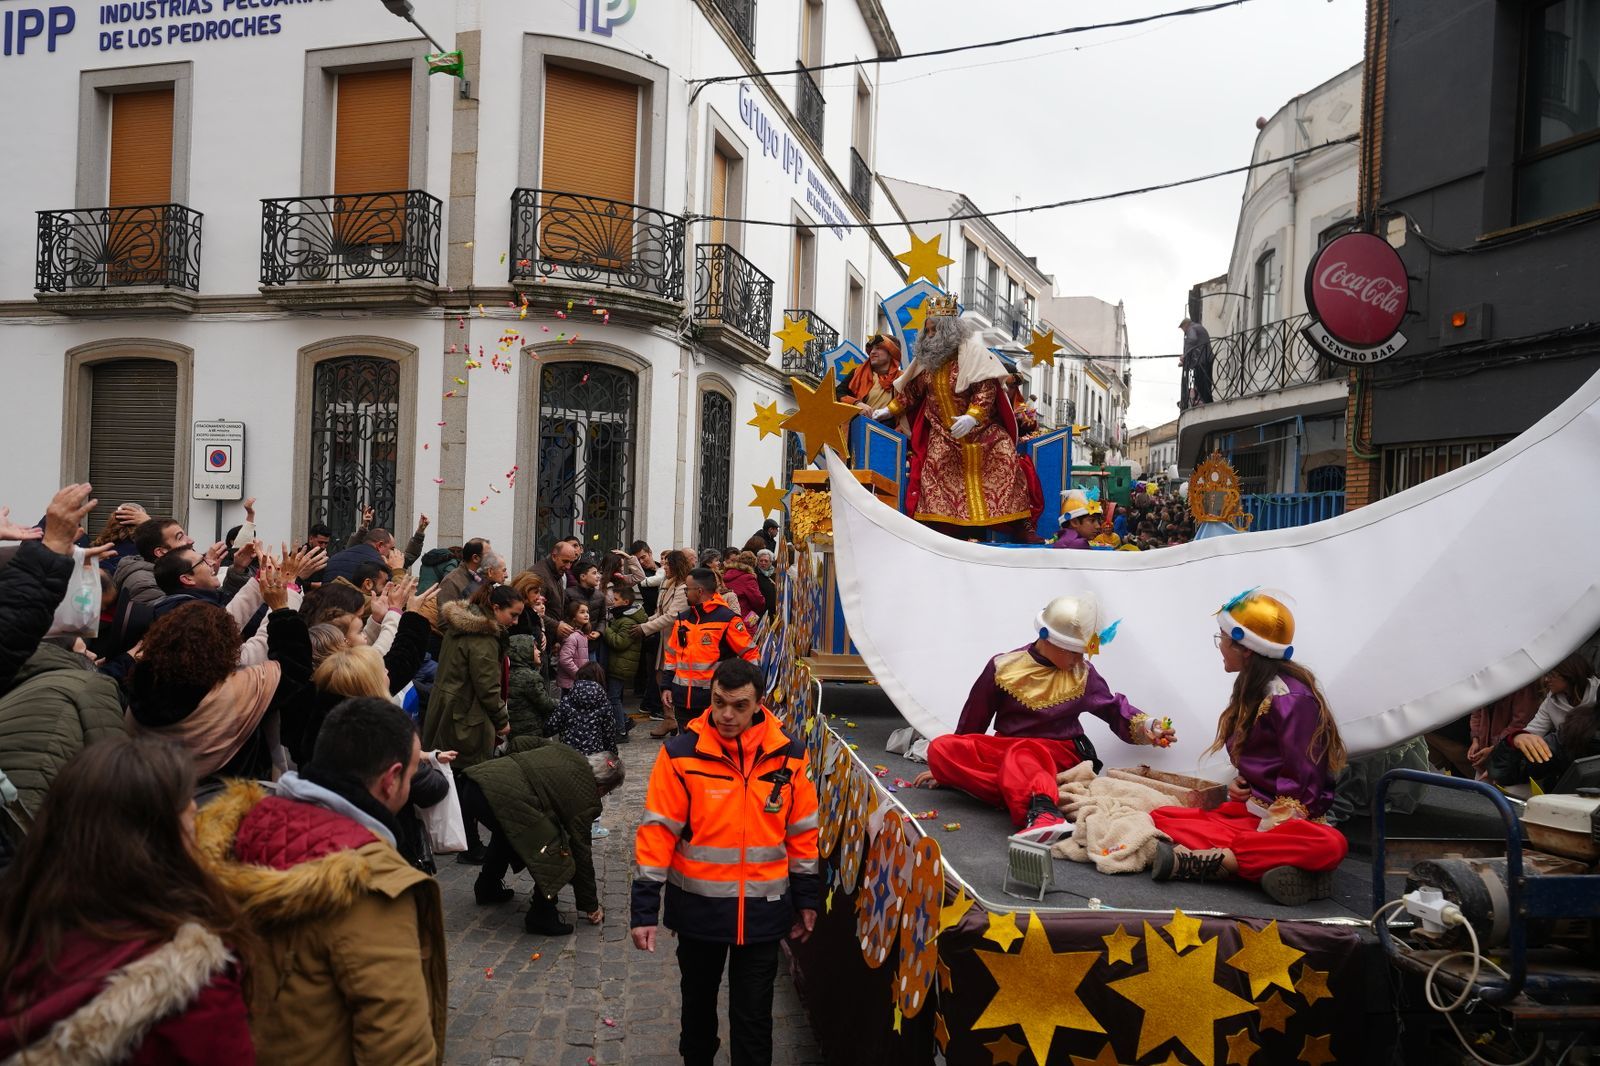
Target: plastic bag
{"x":78,"y":613}
{"x":446,"y":831}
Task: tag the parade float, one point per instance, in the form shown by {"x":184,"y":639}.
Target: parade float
{"x":1414,"y":611}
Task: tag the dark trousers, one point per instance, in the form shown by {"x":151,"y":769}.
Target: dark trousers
{"x":1508,"y":766}
{"x":751,"y":970}
{"x":498,"y":856}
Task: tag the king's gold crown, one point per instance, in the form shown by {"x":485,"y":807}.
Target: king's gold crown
{"x":943,"y":307}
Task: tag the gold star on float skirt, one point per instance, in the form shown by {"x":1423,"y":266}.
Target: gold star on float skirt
{"x":1185,"y":933}
{"x":1317,"y":1051}
{"x":769,"y":497}
{"x":1107,"y":1057}
{"x":918,"y":316}
{"x":820,"y":418}
{"x":898,"y":1017}
{"x":1265,"y":958}
{"x":1002,"y":930}
{"x":1274,"y":1013}
{"x":1241,"y":1049}
{"x":794,"y":334}
{"x":955,"y":911}
{"x":1044,"y":348}
{"x":924,"y":260}
{"x":1021,"y":977}
{"x":1313,"y":985}
{"x":1180,"y":997}
{"x":767,"y":420}
{"x":1004,"y":1052}
{"x":1119,"y":946}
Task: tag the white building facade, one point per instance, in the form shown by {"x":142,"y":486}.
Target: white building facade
{"x":488,"y":299}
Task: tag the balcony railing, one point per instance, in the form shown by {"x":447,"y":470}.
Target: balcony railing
{"x":1066,"y":413}
{"x":860,"y":182}
{"x":355,"y":237}
{"x":113,"y":247}
{"x":977,"y":296}
{"x":824,"y":338}
{"x":741,"y":15}
{"x":1289,"y":509}
{"x":810,"y":107}
{"x":731,"y":292}
{"x":594,"y":241}
{"x":1017,"y":321}
{"x":1264,"y":359}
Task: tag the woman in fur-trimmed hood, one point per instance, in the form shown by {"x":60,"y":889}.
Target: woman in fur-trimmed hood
{"x":116,"y":946}
{"x":467,"y":710}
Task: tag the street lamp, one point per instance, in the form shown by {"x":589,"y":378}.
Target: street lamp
{"x":444,"y":61}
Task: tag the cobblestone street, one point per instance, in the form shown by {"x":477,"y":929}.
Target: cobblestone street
{"x":588,"y":997}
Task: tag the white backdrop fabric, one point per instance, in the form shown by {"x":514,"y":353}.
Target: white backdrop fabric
{"x":1411,"y":611}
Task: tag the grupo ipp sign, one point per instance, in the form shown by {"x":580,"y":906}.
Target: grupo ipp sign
{"x":1358,"y":292}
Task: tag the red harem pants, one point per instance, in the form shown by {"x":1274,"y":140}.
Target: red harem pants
{"x":1309,"y":845}
{"x":1001,"y":771}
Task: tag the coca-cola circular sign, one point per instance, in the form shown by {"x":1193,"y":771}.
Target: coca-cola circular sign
{"x":1357,"y":288}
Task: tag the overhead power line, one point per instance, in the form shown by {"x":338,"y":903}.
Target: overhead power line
{"x":1075,"y":202}
{"x":1201,"y":9}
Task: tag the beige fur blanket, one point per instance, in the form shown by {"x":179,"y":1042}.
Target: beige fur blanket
{"x":1112,"y":826}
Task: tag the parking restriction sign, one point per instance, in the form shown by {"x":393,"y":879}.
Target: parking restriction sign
{"x":218,"y":461}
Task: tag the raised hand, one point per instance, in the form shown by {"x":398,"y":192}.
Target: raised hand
{"x":415,"y":603}
{"x":214,"y":555}
{"x":422,"y":523}
{"x":250,"y":510}
{"x":246,"y":554}
{"x":304,"y":561}
{"x":9,"y":530}
{"x":366,"y":516}
{"x":63,"y":519}
{"x":398,"y":594}
{"x":395,"y":560}
{"x":274,"y":587}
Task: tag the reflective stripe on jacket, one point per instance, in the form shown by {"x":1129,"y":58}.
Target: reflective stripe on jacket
{"x":702,"y":637}
{"x":730,"y":828}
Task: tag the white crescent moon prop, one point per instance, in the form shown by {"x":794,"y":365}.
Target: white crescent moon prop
{"x":1411,"y":611}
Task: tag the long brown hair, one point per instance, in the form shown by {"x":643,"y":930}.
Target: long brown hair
{"x":108,"y":857}
{"x":1575,"y":732}
{"x":677,"y":566}
{"x":1250,"y":689}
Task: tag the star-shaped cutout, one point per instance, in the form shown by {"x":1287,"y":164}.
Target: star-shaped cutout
{"x":1241,"y":1048}
{"x":955,"y":910}
{"x":1044,"y":348}
{"x":898,"y":1017}
{"x":1004,"y":1052}
{"x":1180,"y":997}
{"x":794,"y":334}
{"x":1119,"y":946}
{"x":820,"y":418}
{"x":769,"y":497}
{"x":917,"y":316}
{"x":1107,"y":1057}
{"x":1265,"y":958}
{"x":1274,"y":1013}
{"x":827,"y":903}
{"x":1313,"y":985}
{"x":1002,"y":930}
{"x":1317,"y":1051}
{"x":1018,"y":1000}
{"x":1185,"y":933}
{"x":924,"y":260}
{"x":946,"y":982}
{"x":941,"y":1032}
{"x":848,"y":367}
{"x":768,"y":420}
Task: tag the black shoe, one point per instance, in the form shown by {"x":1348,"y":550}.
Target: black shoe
{"x":487,"y":892}
{"x":1294,"y":887}
{"x":543,"y":918}
{"x":471,"y":857}
{"x":1174,"y":864}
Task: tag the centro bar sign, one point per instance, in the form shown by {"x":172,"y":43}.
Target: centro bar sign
{"x":1358,"y":292}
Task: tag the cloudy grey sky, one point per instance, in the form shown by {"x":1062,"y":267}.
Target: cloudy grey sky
{"x":1114,"y":109}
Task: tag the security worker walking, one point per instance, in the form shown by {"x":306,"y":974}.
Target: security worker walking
{"x":730,"y":828}
{"x":700,"y":637}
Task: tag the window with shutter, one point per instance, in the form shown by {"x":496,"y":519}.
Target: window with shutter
{"x":372,"y":156}
{"x":140,"y":179}
{"x":720,"y":167}
{"x":133,"y":435}
{"x":590,"y":150}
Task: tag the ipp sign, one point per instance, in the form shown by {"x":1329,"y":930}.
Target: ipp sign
{"x":1358,"y":291}
{"x":43,"y":25}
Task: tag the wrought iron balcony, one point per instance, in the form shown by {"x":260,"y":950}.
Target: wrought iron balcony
{"x":860,"y":182}
{"x":1066,"y":413}
{"x":590,"y":240}
{"x":741,"y":15}
{"x":731,"y":294}
{"x":118,"y":247}
{"x":390,"y":236}
{"x":1017,"y":321}
{"x":1263,"y":359}
{"x":809,"y":103}
{"x":977,"y":296}
{"x":824,"y":338}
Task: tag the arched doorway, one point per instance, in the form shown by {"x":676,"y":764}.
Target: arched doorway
{"x":716,"y":469}
{"x":587,"y":425}
{"x":355,"y":442}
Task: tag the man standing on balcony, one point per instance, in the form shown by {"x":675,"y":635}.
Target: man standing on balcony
{"x":1197,"y":359}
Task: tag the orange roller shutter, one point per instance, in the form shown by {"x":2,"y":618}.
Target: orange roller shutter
{"x":719,"y":195}
{"x":141,"y":148}
{"x":591,"y":134}
{"x":372,"y":154}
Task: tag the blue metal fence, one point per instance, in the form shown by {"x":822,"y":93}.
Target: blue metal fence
{"x":1281,"y":510}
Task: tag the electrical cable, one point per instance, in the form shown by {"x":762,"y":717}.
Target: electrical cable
{"x":1452,"y":916}
{"x":953,"y":49}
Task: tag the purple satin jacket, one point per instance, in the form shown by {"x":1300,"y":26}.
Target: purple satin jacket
{"x":988,"y":702}
{"x":1070,"y":538}
{"x":1275,"y":754}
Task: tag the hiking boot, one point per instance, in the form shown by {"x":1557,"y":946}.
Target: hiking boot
{"x":473,"y":856}
{"x":667,"y":727}
{"x":1045,"y":824}
{"x":543,"y":918}
{"x":489,"y":892}
{"x":1294,"y":887}
{"x":1181,"y":864}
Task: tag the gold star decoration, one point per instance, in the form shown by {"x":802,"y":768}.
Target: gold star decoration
{"x":1004,"y":1052}
{"x":898,"y":1017}
{"x":918,"y":316}
{"x":1180,"y":997}
{"x":1313,"y":985}
{"x":769,"y":497}
{"x":955,"y":911}
{"x":946,"y":982}
{"x":820,"y":418}
{"x":1044,"y":348}
{"x":767,"y":420}
{"x":941,"y":1032}
{"x":1274,"y":1013}
{"x":849,"y":366}
{"x":1020,"y":977}
{"x":1171,"y":1060}
{"x":1119,"y":946}
{"x":794,"y":334}
{"x":1107,"y":1057}
{"x":1002,"y":930}
{"x":1265,"y":958}
{"x":924,"y":260}
{"x":1317,"y":1051}
{"x":827,"y":903}
{"x":1241,"y":1049}
{"x":1185,"y":933}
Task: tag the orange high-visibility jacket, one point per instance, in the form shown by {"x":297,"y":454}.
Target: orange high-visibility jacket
{"x":702,"y":637}
{"x":730,"y":827}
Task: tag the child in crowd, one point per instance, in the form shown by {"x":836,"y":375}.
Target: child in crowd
{"x":1561,"y":730}
{"x":574,"y":652}
{"x":584,"y":722}
{"x":623,"y":640}
{"x":529,"y":705}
